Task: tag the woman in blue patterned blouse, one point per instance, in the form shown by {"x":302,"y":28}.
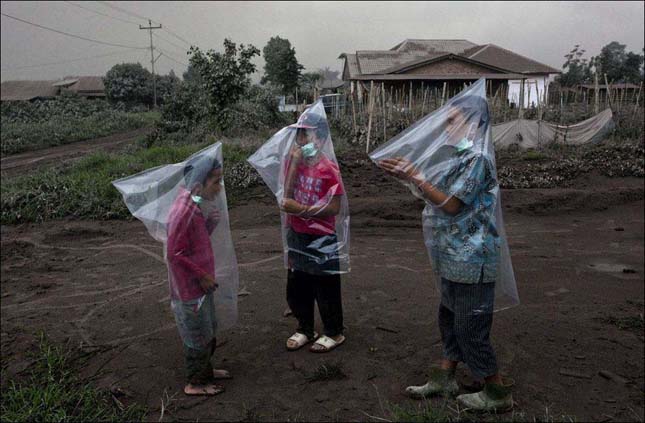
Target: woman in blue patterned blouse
{"x":459,"y":181}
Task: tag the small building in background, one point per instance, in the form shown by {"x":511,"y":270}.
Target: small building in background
{"x":83,"y":86}
{"x":27,"y":90}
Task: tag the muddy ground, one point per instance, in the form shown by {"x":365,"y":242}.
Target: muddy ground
{"x":14,"y":164}
{"x":578,"y":259}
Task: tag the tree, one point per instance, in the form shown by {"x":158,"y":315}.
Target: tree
{"x":191,"y":75}
{"x":619,"y":65}
{"x":281,"y":66}
{"x":166,"y":85}
{"x":576,"y":70}
{"x":611,"y":60}
{"x":632,"y":67}
{"x":129,"y":83}
{"x":225,"y":76}
{"x":328,"y":74}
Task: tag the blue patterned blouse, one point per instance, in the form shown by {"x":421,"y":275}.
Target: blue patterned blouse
{"x":464,"y":247}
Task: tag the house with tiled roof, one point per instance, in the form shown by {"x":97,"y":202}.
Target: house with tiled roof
{"x":83,"y":86}
{"x":415,"y":63}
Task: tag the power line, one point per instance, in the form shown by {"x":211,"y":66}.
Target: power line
{"x":177,"y":36}
{"x":69,"y":61}
{"x":72,"y":35}
{"x":102,"y":14}
{"x":127,"y":12}
{"x":172,"y":58}
{"x":182,"y":49}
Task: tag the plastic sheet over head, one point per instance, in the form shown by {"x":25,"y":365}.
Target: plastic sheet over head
{"x":183,"y":205}
{"x":298,"y":164}
{"x":451,"y":150}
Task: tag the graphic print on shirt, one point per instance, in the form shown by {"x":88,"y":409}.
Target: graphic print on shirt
{"x":308,"y":190}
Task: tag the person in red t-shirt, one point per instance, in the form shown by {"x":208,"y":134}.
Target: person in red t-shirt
{"x":191,"y":268}
{"x":312,"y":199}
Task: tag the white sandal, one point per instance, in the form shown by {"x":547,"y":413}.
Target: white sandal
{"x":327,"y":343}
{"x":301,"y":340}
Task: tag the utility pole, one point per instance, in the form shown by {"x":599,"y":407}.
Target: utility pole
{"x":152,"y":59}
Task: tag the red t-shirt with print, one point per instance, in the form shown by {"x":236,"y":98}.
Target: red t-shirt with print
{"x":316,"y":185}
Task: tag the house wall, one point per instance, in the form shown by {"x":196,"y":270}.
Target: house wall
{"x":449,"y":67}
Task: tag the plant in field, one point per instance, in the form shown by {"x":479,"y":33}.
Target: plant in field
{"x":129,"y":83}
{"x":576,"y":70}
{"x":226,"y":77}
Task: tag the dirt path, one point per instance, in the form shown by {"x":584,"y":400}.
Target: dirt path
{"x":579,"y":270}
{"x":16,"y":164}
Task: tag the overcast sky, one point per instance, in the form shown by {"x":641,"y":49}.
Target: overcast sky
{"x":319,"y":31}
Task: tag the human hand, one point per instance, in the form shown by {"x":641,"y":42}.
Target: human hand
{"x":291,"y":206}
{"x":296,"y":154}
{"x":207,"y":282}
{"x":399,"y":168}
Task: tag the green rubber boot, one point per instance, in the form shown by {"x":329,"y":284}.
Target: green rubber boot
{"x":492,"y":398}
{"x":441,"y":382}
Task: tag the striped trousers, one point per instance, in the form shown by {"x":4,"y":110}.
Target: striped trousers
{"x":465,"y":321}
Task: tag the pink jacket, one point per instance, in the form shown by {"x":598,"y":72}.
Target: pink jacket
{"x":189,"y":252}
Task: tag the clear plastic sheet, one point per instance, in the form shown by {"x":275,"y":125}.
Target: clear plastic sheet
{"x":298,"y":164}
{"x":183,"y":205}
{"x":447,"y":158}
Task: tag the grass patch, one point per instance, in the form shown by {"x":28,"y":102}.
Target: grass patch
{"x":534,"y":156}
{"x":631,"y":323}
{"x":84,"y":189}
{"x":52,"y":392}
{"x":423,"y":413}
{"x":446,"y":412}
{"x":327,"y":371}
{"x":18,"y":136}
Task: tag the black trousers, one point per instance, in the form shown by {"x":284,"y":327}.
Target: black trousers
{"x":303,"y":289}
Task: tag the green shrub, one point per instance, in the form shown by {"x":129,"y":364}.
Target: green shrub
{"x":85,"y":190}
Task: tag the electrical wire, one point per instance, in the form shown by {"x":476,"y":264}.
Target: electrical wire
{"x":163,"y":28}
{"x":127,"y":12}
{"x":172,"y":58}
{"x":68,"y":61}
{"x":73,"y":35}
{"x":96,"y":12}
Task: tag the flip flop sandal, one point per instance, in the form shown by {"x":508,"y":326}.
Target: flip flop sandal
{"x":205,"y":390}
{"x":221,"y":374}
{"x":301,"y":340}
{"x":327,"y":343}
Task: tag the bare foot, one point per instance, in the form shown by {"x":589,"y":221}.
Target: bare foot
{"x":221,"y":374}
{"x":210,"y":389}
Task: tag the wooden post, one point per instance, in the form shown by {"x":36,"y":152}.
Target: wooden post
{"x":443,"y":94}
{"x":353,"y":94}
{"x":369,"y":119}
{"x":596,"y":99}
{"x":608,"y":93}
{"x":537,"y":94}
{"x":528,"y":99}
{"x":423,"y":102}
{"x":520,"y":113}
{"x":384,"y":111}
{"x":637,"y":99}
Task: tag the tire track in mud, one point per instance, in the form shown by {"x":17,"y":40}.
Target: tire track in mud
{"x":131,"y":290}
